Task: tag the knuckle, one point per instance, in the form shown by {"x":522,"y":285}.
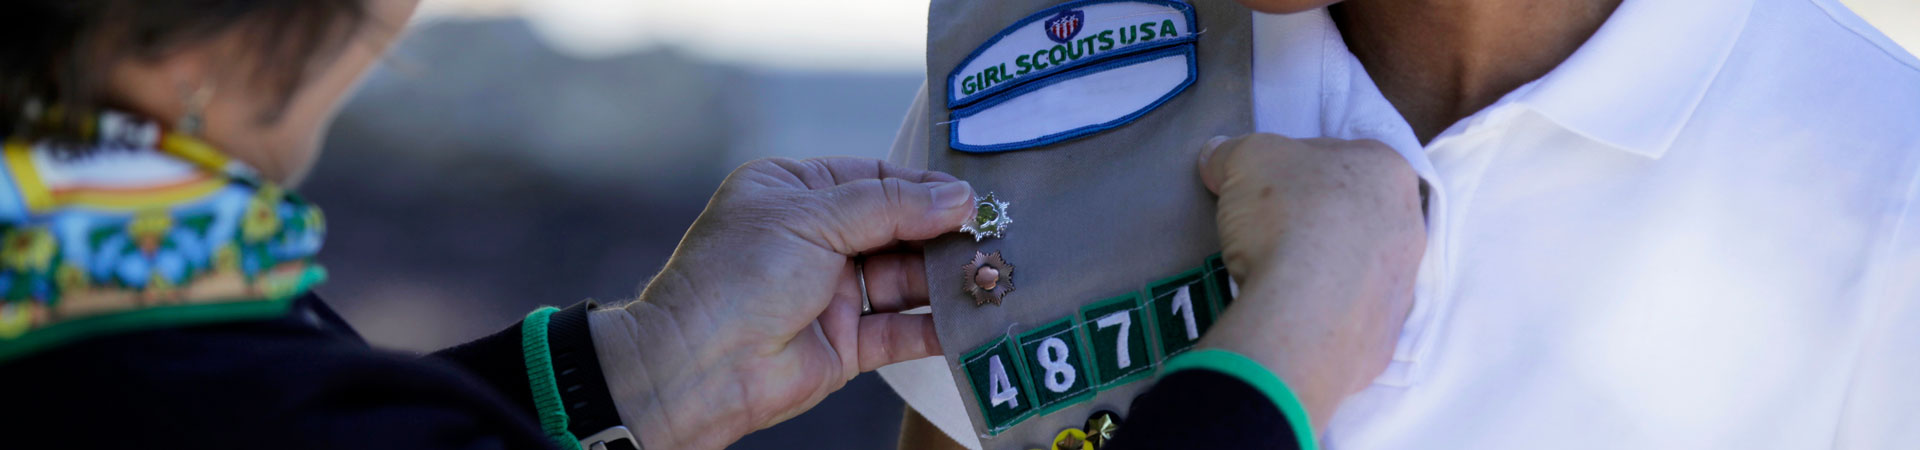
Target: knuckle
{"x":757,"y":165}
{"x":1379,"y":161}
{"x":876,"y":344}
{"x":890,"y":344}
{"x":1372,"y":146}
{"x":1256,"y":152}
{"x":753,"y":206}
{"x":929,"y":341}
{"x":816,"y":173}
{"x":813,"y":208}
{"x":1253,"y":145}
{"x":772,"y":165}
{"x":758,"y":173}
{"x":893,"y":192}
{"x":863,"y":197}
{"x":1235,"y":257}
{"x":1276,"y":152}
{"x":765,"y":213}
{"x":1266,"y":140}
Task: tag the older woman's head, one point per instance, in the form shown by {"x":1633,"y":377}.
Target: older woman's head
{"x":261,"y":77}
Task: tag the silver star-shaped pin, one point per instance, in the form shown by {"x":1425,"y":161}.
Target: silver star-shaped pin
{"x":989,"y":219}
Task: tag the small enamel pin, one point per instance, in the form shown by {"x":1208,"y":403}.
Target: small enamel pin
{"x":1071,"y":439}
{"x":1100,"y":428}
{"x":988,"y":278}
{"x":989,"y":218}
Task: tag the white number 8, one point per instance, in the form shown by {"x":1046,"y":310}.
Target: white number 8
{"x":1053,"y":357}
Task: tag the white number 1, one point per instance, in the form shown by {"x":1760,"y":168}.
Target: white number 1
{"x":1183,"y":305}
{"x":1125,"y":321}
{"x":999,"y":387}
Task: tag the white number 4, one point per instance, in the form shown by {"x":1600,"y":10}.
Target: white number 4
{"x":999,"y":387}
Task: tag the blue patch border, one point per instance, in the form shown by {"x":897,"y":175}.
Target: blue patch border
{"x":955,"y":102}
{"x":953,"y":123}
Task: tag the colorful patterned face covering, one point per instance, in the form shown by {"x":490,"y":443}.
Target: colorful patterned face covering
{"x":138,"y":229}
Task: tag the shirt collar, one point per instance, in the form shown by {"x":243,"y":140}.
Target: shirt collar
{"x":1635,"y":83}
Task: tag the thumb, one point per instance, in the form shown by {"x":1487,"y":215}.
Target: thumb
{"x":876,"y":212}
{"x":1212,"y":165}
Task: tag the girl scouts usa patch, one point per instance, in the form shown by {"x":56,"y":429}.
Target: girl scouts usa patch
{"x":1071,"y":70}
{"x":1064,"y":37}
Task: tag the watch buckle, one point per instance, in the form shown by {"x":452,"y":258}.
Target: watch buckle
{"x":606,"y":439}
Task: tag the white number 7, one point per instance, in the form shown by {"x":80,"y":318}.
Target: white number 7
{"x":1125,"y":321}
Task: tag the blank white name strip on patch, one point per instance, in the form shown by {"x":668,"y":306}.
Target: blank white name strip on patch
{"x":1068,"y":105}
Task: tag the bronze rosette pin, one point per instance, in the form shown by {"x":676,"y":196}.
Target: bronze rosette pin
{"x":988,"y":278}
{"x":989,"y":219}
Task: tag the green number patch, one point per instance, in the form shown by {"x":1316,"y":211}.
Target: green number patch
{"x":1109,"y":343}
{"x":1000,"y":386}
{"x":1055,"y":363}
{"x":1182,"y":310}
{"x":1117,"y":337}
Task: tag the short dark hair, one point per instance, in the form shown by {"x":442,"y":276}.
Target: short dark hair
{"x":57,"y":52}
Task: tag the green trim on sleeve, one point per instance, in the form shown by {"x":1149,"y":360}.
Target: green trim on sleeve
{"x":1244,"y":368}
{"x":546,"y":392}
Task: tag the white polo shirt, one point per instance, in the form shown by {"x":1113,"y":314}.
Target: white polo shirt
{"x":1697,"y":232}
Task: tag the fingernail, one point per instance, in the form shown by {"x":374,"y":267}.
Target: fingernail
{"x":952,"y":194}
{"x":1206,"y":150}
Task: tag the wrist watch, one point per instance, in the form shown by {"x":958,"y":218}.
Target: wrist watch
{"x":583,"y":388}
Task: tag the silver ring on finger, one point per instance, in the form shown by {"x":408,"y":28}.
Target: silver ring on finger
{"x":860,"y":271}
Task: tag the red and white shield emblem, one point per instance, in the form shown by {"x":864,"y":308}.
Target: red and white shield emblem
{"x":1064,"y":26}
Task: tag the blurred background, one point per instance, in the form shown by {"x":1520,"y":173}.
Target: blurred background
{"x":518,"y":153}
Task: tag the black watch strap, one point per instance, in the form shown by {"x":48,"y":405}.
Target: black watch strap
{"x":577,"y":374}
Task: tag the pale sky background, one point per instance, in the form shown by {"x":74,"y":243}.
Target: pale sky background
{"x":864,"y":35}
{"x":861,"y":35}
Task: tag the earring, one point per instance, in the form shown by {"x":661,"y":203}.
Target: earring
{"x":193,"y":120}
{"x":29,"y":118}
{"x":32,"y":110}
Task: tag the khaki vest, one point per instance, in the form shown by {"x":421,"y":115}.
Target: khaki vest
{"x":1078,"y":115}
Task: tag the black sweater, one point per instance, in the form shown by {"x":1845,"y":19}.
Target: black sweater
{"x":308,"y":381}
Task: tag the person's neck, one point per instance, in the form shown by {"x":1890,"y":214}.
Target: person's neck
{"x":1439,"y":61}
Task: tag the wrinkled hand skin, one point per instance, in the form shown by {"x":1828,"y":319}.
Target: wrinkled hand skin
{"x":763,"y":302}
{"x":1325,"y":237}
